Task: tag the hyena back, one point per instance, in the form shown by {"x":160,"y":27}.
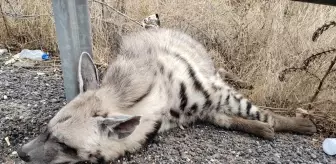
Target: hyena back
{"x":161,"y":79}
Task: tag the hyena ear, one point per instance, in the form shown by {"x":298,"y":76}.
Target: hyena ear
{"x":87,"y":73}
{"x":119,"y":127}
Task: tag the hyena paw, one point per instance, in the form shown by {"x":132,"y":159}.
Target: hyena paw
{"x":305,"y":126}
{"x":264,"y":130}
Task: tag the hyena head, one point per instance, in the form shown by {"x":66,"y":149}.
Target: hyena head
{"x":81,"y":130}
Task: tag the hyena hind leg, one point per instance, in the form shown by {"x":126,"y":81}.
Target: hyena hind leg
{"x":257,"y":128}
{"x":294,"y":124}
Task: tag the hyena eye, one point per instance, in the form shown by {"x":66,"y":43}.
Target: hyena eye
{"x":67,"y":149}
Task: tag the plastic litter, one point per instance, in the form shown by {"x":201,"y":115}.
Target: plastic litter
{"x":3,"y":51}
{"x":34,"y":55}
{"x":13,"y":59}
{"x":329,"y":146}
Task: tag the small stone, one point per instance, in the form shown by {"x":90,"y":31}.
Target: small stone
{"x":6,"y":83}
{"x":40,"y":73}
{"x":298,"y":152}
{"x":7,"y":141}
{"x":54,"y":101}
{"x":313,"y":156}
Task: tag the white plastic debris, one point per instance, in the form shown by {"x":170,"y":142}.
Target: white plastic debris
{"x":5,"y":97}
{"x":12,"y":60}
{"x":329,"y":146}
{"x":3,"y":51}
{"x":7,"y":141}
{"x":34,"y":55}
{"x":40,"y":73}
{"x":14,"y":153}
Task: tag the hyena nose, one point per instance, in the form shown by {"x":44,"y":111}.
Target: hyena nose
{"x":24,"y":156}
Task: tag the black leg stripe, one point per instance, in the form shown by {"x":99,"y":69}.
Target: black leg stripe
{"x":248,"y":108}
{"x":227,"y":102}
{"x":174,"y":113}
{"x":183,"y":97}
{"x":150,"y":136}
{"x":219,"y":103}
{"x":194,"y":108}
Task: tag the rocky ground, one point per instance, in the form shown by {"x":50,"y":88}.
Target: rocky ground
{"x":29,"y":97}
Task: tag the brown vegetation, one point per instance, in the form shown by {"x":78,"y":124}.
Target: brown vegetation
{"x":257,"y":40}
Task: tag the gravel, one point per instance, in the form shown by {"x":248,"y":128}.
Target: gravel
{"x":29,"y":99}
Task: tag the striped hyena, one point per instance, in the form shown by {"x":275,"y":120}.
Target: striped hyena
{"x":161,"y":79}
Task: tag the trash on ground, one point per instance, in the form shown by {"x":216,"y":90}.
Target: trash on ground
{"x":3,"y":51}
{"x":40,"y":73}
{"x":7,"y":141}
{"x":34,"y":55}
{"x":12,"y":60}
{"x":329,"y":146}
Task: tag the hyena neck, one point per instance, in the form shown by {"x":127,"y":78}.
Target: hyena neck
{"x":132,"y":82}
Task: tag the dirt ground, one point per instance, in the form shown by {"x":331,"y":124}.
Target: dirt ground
{"x":29,"y":98}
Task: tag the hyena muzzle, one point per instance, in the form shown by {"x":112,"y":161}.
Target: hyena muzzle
{"x":161,"y":79}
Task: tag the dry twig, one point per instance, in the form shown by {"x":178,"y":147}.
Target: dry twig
{"x":306,"y":64}
{"x":124,"y":15}
{"x":322,"y":29}
{"x":5,"y":20}
{"x":318,"y":89}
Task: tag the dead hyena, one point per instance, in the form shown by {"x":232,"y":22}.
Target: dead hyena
{"x":161,"y":79}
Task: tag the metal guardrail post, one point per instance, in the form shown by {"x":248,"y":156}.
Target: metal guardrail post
{"x":73,"y":30}
{"x":321,"y":2}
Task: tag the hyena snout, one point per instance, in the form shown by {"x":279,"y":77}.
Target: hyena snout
{"x":38,"y":150}
{"x":23,"y":155}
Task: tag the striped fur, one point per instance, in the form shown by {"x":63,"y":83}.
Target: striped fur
{"x":161,"y":79}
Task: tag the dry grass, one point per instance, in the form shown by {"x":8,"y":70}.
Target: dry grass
{"x":254,"y":39}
